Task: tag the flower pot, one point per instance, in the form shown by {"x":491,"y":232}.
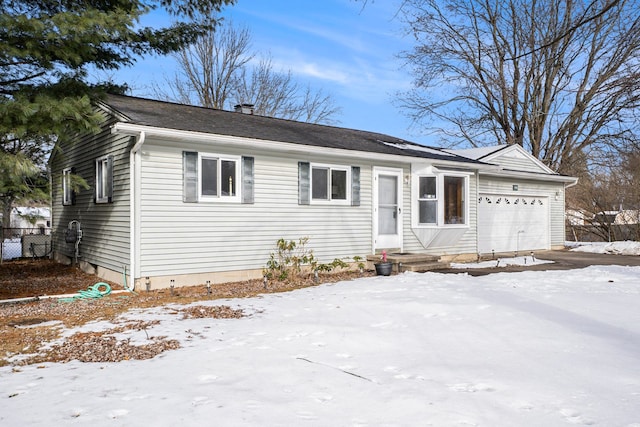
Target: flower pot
{"x":383,"y":268}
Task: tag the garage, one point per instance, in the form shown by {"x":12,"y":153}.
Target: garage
{"x":512,"y":223}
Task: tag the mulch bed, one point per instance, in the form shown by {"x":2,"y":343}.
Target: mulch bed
{"x":27,"y":327}
{"x":31,"y":278}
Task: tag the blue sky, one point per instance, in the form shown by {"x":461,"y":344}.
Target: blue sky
{"x":334,"y":45}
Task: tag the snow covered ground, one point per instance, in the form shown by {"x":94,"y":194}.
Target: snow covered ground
{"x":535,"y":348}
{"x":618,"y":248}
{"x":502,"y":262}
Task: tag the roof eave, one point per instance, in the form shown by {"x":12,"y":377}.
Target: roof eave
{"x":128,"y":128}
{"x":554,"y":177}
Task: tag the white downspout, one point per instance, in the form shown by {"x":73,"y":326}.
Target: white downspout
{"x":134,"y":207}
{"x":477,"y":216}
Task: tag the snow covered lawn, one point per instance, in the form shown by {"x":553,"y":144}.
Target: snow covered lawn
{"x":617,"y":248}
{"x":536,"y":348}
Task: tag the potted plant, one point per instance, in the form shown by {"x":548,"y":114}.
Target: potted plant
{"x":384,"y":267}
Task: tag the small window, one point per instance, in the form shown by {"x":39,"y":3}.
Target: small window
{"x":441,"y":200}
{"x":219,"y":177}
{"x":104,"y":179}
{"x":427,"y":200}
{"x":329,"y":183}
{"x":67,"y":188}
{"x":454,"y":208}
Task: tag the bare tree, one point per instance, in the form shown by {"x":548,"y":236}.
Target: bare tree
{"x":606,"y":201}
{"x":208,"y":69}
{"x":216,"y":72}
{"x":278,"y":94}
{"x":559,"y":77}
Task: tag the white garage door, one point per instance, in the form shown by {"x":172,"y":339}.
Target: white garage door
{"x":510,"y":223}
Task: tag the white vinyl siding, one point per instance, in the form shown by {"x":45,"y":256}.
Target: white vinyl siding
{"x":518,"y":164}
{"x":228,"y":237}
{"x":515,"y":160}
{"x":105,"y":227}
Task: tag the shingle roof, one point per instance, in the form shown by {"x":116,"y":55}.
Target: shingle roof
{"x":198,"y":119}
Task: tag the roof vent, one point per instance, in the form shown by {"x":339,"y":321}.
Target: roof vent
{"x":244,"y":108}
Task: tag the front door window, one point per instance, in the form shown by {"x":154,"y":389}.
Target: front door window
{"x":388,"y":204}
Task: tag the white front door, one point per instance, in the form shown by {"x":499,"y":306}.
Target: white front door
{"x":387,"y":208}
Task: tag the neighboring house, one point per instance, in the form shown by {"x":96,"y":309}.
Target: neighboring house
{"x":30,"y":220}
{"x":619,"y":217}
{"x":193,"y":194}
{"x":575,"y":217}
{"x":627,"y":217}
{"x":29,"y":235}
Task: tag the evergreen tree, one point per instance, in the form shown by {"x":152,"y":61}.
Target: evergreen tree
{"x":49,"y":47}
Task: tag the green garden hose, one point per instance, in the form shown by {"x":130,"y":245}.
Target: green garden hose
{"x":91,"y":292}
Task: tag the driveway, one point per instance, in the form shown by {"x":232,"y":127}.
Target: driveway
{"x":563,"y":260}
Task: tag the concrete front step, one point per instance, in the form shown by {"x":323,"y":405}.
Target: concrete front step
{"x":410,"y":262}
{"x":421,"y":267}
{"x":404,"y":258}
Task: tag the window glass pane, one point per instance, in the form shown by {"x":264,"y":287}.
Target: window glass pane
{"x":387,"y":220}
{"x":338,"y":185}
{"x":101,"y":180}
{"x":454,"y":200}
{"x":387,"y":204}
{"x":209,"y":177}
{"x":228,"y":177}
{"x":320,"y":183}
{"x":387,"y":190}
{"x":428,"y":211}
{"x":427,"y":187}
{"x":66,"y":187}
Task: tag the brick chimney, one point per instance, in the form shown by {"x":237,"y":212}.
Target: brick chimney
{"x":244,"y":108}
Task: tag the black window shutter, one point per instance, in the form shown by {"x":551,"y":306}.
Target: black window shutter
{"x":73,"y":192}
{"x":247,"y":180}
{"x":355,"y":185}
{"x":304,"y":180}
{"x":189,"y":176}
{"x":109,"y":189}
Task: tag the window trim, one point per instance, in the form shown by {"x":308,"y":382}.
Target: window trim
{"x":104,"y":179}
{"x":237,"y":198}
{"x":67,"y":188}
{"x":433,"y":199}
{"x":330,"y":168}
{"x":440,"y":197}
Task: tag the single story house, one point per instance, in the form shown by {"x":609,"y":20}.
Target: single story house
{"x":183,"y":194}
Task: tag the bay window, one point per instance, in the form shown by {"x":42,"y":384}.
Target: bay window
{"x":441,"y":200}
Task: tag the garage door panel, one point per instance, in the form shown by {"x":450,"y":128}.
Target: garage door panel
{"x":508,"y":223}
